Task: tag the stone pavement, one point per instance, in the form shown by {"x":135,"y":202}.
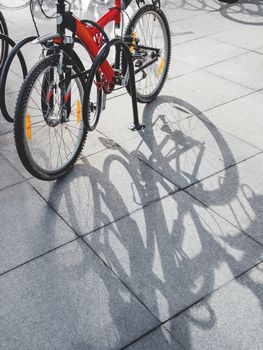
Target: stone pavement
{"x":155,"y":239}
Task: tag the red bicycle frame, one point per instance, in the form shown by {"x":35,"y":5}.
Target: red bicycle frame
{"x":90,"y":35}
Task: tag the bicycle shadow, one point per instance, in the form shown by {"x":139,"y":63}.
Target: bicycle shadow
{"x":249,"y":12}
{"x":170,"y":253}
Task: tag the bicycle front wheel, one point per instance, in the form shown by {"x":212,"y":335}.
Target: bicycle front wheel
{"x":49,"y":141}
{"x":150,"y":46}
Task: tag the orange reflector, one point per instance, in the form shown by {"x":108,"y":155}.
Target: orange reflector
{"x":160,"y":70}
{"x":78,"y":111}
{"x":134,"y":35}
{"x":28,"y":128}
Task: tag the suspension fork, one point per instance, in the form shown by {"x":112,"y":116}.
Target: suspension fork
{"x":65,"y":76}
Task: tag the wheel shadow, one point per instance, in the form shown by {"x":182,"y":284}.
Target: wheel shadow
{"x":248,"y":12}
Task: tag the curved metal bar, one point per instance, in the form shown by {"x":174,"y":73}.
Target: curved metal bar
{"x":9,"y":42}
{"x":100,"y":58}
{"x":16,"y":50}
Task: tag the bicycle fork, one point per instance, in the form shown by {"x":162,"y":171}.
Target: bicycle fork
{"x":65,"y":70}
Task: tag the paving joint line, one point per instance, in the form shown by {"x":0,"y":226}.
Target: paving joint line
{"x":13,"y":185}
{"x":238,"y":46}
{"x":217,"y":106}
{"x":148,"y":333}
{"x":202,"y":36}
{"x":54,"y":210}
{"x":16,"y":169}
{"x":6,"y":133}
{"x":231,"y":81}
{"x":37,"y":257}
{"x":234,"y":99}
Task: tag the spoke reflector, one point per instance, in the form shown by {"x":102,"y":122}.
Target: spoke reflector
{"x":160,"y":70}
{"x":134,"y":35}
{"x":78,"y":111}
{"x":28,"y":127}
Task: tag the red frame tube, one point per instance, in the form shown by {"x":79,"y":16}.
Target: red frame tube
{"x":86,"y":34}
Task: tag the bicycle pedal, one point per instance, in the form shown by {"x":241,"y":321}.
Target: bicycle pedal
{"x":136,"y":127}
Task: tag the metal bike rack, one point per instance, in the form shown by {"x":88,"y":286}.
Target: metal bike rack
{"x":101,"y":57}
{"x":15,"y":51}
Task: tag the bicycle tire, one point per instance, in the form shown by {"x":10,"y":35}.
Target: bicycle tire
{"x":163,"y":62}
{"x":16,"y":51}
{"x":4,"y":46}
{"x":22,"y":144}
{"x":3,"y":25}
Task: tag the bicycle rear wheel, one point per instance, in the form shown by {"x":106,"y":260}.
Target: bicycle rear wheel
{"x":48,"y":141}
{"x":150,"y":46}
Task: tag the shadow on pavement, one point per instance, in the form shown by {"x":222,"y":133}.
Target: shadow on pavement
{"x":169,"y":251}
{"x":245,"y":12}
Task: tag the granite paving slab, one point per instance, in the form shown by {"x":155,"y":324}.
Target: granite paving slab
{"x":29,"y":227}
{"x":174,"y":252}
{"x":242,"y":36}
{"x":237,"y":195}
{"x":69,"y":299}
{"x":206,"y":51}
{"x":241,"y":117}
{"x":231,"y":318}
{"x":203,"y":24}
{"x":204,"y":90}
{"x":231,"y":69}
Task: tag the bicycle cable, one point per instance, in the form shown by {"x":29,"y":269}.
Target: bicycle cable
{"x":40,"y":3}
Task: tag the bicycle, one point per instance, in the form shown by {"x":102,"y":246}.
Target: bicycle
{"x":55,"y":108}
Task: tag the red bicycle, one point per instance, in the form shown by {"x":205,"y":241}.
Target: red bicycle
{"x":60,"y":101}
